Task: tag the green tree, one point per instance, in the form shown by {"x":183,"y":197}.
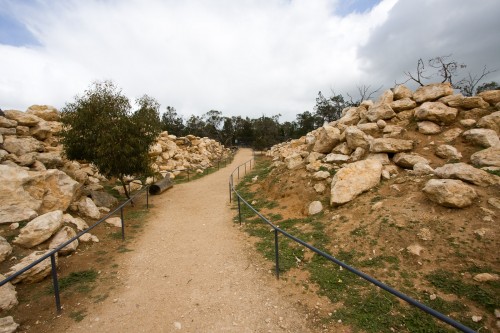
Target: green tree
{"x":172,"y":122}
{"x":100,"y":128}
{"x":329,"y":109}
{"x":488,"y":86}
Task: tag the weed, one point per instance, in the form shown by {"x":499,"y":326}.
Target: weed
{"x":78,"y":280}
{"x":78,"y":315}
{"x":123,"y":249}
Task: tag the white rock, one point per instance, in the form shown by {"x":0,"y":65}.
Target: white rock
{"x":432,"y":92}
{"x":482,"y":137}
{"x":448,"y":152}
{"x":35,"y":274}
{"x":450,"y":193}
{"x":321,"y":175}
{"x":484,"y":277}
{"x":315,"y":207}
{"x":8,"y":325}
{"x":115,"y":221}
{"x":319,"y":188}
{"x":5,"y":249}
{"x":487,"y":157}
{"x":428,"y":127}
{"x":467,"y":173}
{"x":40,"y":229}
{"x":76,"y":221}
{"x":436,"y":112}
{"x":8,"y":296}
{"x":415,"y":249}
{"x":88,"y":208}
{"x":62,"y":236}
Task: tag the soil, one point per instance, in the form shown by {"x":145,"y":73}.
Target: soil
{"x":184,"y":266}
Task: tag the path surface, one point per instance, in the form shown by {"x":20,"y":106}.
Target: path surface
{"x":193,"y":270}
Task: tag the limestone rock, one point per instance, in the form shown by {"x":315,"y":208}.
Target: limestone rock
{"x":403,"y":104}
{"x":372,"y":128}
{"x":115,"y":221}
{"x":294,"y":161}
{"x":22,"y":118}
{"x":451,"y":134}
{"x":428,"y":127}
{"x":487,"y":157}
{"x":39,"y":229}
{"x":354,"y":179}
{"x":327,"y":138}
{"x":495,"y":202}
{"x":8,"y":325}
{"x":485,"y":277}
{"x":425,"y":234}
{"x":491,"y":121}
{"x":415,"y":249}
{"x":131,"y":187}
{"x":358,"y":154}
{"x":490,"y":96}
{"x":482,"y":137}
{"x":319,"y":187}
{"x":22,"y":145}
{"x":341,"y":149}
{"x":87,"y":237}
{"x":468,"y":123}
{"x":432,"y":92}
{"x":88,"y":208}
{"x":46,"y":112}
{"x":41,"y":131}
{"x":8,"y":296}
{"x":381,"y":124}
{"x":314,"y":208}
{"x":103,"y":199}
{"x":62,"y":236}
{"x":36,"y":273}
{"x":422,"y":169}
{"x":155,"y":150}
{"x":467,"y":173}
{"x":7,"y":123}
{"x":58,"y":190}
{"x":473,"y":102}
{"x":390,"y":145}
{"x":380,"y":111}
{"x":5,"y":249}
{"x":321,"y":175}
{"x":450,"y":193}
{"x":401,"y":91}
{"x":408,"y":160}
{"x":51,"y":160}
{"x":336,"y":158}
{"x":356,"y":138}
{"x":448,"y":152}
{"x":351,"y":117}
{"x":76,"y":221}
{"x":436,"y":112}
{"x":314,"y":156}
{"x":386,"y":97}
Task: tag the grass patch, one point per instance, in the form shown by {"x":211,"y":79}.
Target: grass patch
{"x":77,"y":315}
{"x":123,"y":249}
{"x":79,"y":281}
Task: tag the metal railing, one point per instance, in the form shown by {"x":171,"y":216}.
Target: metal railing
{"x":327,"y":256}
{"x":52,"y":253}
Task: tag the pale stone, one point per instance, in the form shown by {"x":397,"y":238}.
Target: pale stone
{"x":380,"y":124}
{"x":487,"y":157}
{"x":155,"y":150}
{"x":358,"y":154}
{"x":422,"y":169}
{"x":451,"y":134}
{"x":39,"y":229}
{"x":341,"y":149}
{"x":314,"y":166}
{"x":22,"y":118}
{"x":436,"y":112}
{"x":87,"y":237}
{"x":485,"y":277}
{"x":46,"y":112}
{"x":403,"y":104}
{"x":477,"y":319}
{"x":41,"y":131}
{"x":115,"y":221}
{"x":319,"y":188}
{"x":380,"y":111}
{"x":490,"y":96}
{"x":354,"y":179}
{"x":76,"y":221}
{"x":386,"y":97}
{"x":62,"y":236}
{"x":5,"y":249}
{"x":7,"y":123}
{"x":336,"y":158}
{"x":22,"y":146}
{"x":372,"y":128}
{"x":381,"y":157}
{"x":468,"y":123}
{"x":88,"y":208}
{"x":481,"y":232}
{"x":131,"y":187}
{"x":452,"y":100}
{"x":448,"y":152}
{"x":495,"y":202}
{"x":432,"y":92}
{"x":37,"y":272}
{"x":401,"y":91}
{"x":314,"y":208}
{"x":351,"y":116}
{"x":390,"y":145}
{"x":321,"y":175}
{"x":408,"y":160}
{"x":327,"y":138}
{"x":294,"y":161}
{"x":8,"y":296}
{"x":450,"y":193}
{"x":56,"y":190}
{"x":7,"y":131}
{"x":491,"y":121}
{"x":103,"y":199}
{"x":428,"y":127}
{"x":473,"y":102}
{"x":467,"y":173}
{"x":51,"y":160}
{"x":425,"y":234}
{"x":8,"y":325}
{"x":415,"y":249}
{"x":482,"y":137}
{"x":22,"y":131}
{"x":314,"y":156}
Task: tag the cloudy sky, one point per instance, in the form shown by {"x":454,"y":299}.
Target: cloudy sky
{"x":242,"y":57}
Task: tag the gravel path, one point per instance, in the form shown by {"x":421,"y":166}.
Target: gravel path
{"x":193,"y":270}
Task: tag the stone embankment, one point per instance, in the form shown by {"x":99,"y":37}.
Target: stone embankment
{"x":54,"y":198}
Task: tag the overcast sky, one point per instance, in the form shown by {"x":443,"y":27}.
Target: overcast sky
{"x":241,"y":57}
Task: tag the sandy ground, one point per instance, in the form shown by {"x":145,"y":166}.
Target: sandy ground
{"x":193,"y":270}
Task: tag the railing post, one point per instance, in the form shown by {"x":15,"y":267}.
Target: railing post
{"x":55,"y":282}
{"x":230,"y":194}
{"x":238,"y":172}
{"x":123,"y":223}
{"x":218,"y":165}
{"x":147,"y":198}
{"x":245,"y":168}
{"x":239,"y":209}
{"x":277,"y":253}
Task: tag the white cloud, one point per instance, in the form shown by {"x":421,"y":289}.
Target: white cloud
{"x":248,"y":57}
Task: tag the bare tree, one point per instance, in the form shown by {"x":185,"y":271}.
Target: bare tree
{"x":418,"y":76}
{"x":468,"y":85}
{"x":447,"y":69}
{"x":364,"y":94}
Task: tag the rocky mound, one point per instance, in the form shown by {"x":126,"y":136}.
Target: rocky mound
{"x":54,"y":197}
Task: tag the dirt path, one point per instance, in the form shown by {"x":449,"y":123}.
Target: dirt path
{"x":193,"y":270}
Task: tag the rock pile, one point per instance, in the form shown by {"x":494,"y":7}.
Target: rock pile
{"x":430,"y":132}
{"x":38,"y":185}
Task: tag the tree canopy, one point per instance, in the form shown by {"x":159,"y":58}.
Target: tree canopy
{"x":100,"y":127}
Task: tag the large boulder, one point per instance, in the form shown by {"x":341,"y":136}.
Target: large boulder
{"x":88,"y":208}
{"x":103,"y":199}
{"x":294,"y":161}
{"x":380,"y":111}
{"x":8,"y":296}
{"x":55,"y":188}
{"x":51,"y":160}
{"x":428,"y":127}
{"x":403,"y":104}
{"x":39,"y":229}
{"x":448,"y":152}
{"x":16,"y":203}
{"x":314,"y":208}
{"x":436,"y":112}
{"x":46,"y":112}
{"x":490,"y":96}
{"x":8,"y":325}
{"x":351,"y":116}
{"x":432,"y":92}
{"x":61,"y":237}
{"x":491,"y":121}
{"x":41,"y":131}
{"x":450,"y":193}
{"x":482,"y":137}
{"x":390,"y":145}
{"x":487,"y":157}
{"x":22,"y":118}
{"x":401,"y":91}
{"x":5,"y":249}
{"x":356,"y":138}
{"x":36,"y":273}
{"x":467,"y":173}
{"x":22,"y":145}
{"x":7,"y":123}
{"x":326,"y":139}
{"x":354,"y":179}
{"x":407,"y":161}
{"x":76,"y":221}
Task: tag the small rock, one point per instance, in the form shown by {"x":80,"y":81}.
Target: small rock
{"x":8,"y":325}
{"x":315,"y":207}
{"x":381,"y":123}
{"x":115,"y":221}
{"x":319,"y":188}
{"x":415,"y":249}
{"x":425,"y":234}
{"x":14,"y":226}
{"x":484,"y":277}
{"x":497,"y":313}
{"x":481,"y":232}
{"x":477,"y":319}
{"x":495,"y":202}
{"x":177,"y":325}
{"x":377,"y":205}
{"x":432,"y":297}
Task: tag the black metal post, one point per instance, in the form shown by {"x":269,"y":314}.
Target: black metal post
{"x":230,"y":196}
{"x":55,"y":282}
{"x":123,"y":223}
{"x":239,"y":209}
{"x":218,"y":165}
{"x":277,"y":253}
{"x":238,"y":172}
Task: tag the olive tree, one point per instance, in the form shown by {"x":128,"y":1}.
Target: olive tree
{"x":100,"y":127}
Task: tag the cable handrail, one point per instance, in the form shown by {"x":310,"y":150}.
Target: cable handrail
{"x":278,"y":230}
